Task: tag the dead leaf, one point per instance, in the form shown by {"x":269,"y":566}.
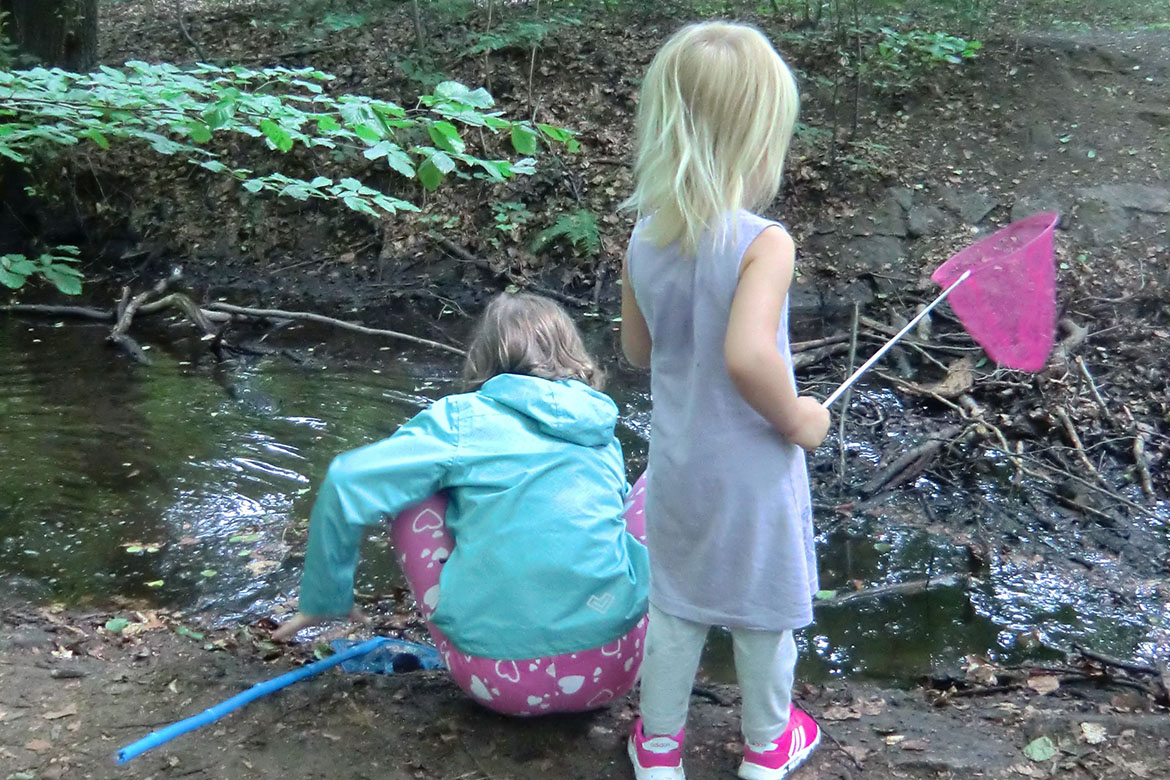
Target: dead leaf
{"x":836,"y":712}
{"x":872,"y":707}
{"x":1093,"y":733}
{"x":894,"y":739}
{"x":858,"y":753}
{"x":915,"y":744}
{"x":71,"y":709}
{"x":38,"y":745}
{"x":1044,"y":684}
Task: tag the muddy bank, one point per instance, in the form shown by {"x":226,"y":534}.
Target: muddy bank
{"x":72,"y":691}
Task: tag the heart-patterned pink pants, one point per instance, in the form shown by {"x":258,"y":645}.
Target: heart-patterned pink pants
{"x":572,"y":682}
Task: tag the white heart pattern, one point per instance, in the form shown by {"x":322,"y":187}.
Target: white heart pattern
{"x":572,"y":683}
{"x":426,"y":520}
{"x":507,"y":670}
{"x":600,"y":603}
{"x":479,"y":690}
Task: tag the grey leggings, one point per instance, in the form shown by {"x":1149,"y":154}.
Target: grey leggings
{"x":764,"y":666}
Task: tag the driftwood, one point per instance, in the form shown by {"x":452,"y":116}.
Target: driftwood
{"x":127,"y":308}
{"x":896,"y":589}
{"x":911,"y":463}
{"x":279,"y":314}
{"x":205,"y":318}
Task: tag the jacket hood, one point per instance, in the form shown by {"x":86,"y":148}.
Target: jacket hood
{"x":565,"y":408}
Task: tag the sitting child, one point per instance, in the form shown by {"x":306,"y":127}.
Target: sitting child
{"x":533,"y":583}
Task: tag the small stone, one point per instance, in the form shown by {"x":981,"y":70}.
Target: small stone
{"x":927,"y":221}
{"x":1139,"y":197}
{"x":1100,"y":223}
{"x":1030,"y":203}
{"x":972,"y":207}
{"x":903,"y":196}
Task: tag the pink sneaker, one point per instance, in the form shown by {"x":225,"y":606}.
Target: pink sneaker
{"x":656,"y":758}
{"x":782,"y":755}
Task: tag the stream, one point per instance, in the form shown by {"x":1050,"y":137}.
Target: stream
{"x":187,"y":484}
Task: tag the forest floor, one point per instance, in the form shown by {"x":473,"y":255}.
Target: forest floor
{"x":1070,"y":121}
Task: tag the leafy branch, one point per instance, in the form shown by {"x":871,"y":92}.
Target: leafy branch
{"x":178,"y":112}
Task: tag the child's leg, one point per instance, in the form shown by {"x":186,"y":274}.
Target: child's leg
{"x":572,"y":682}
{"x":765,"y":663}
{"x":635,"y":512}
{"x":673,"y":648}
{"x":423,"y":544}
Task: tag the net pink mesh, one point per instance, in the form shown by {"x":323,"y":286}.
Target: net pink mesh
{"x":1008,"y":304}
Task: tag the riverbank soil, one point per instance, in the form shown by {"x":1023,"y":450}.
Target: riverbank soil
{"x":1055,"y":483}
{"x":76,"y":686}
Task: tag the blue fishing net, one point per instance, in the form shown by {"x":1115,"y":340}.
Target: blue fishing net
{"x":395,"y":656}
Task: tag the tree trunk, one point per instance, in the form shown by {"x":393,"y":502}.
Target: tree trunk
{"x":59,"y":33}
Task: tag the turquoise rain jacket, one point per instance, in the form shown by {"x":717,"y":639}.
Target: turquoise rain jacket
{"x":542,"y":563}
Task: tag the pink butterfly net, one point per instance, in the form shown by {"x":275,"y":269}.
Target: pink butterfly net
{"x":1008,"y":304}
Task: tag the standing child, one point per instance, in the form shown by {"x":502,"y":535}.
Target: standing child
{"x":532,"y":581}
{"x":704,"y":305}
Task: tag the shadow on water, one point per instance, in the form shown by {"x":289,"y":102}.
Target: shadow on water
{"x":187,"y":484}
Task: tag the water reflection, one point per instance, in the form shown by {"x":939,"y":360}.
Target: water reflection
{"x":188,"y":484}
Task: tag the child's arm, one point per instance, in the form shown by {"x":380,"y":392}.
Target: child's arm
{"x":635,"y":333}
{"x":361,"y":488}
{"x":755,"y":364}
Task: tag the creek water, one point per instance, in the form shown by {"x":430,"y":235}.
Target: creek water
{"x":187,"y":483}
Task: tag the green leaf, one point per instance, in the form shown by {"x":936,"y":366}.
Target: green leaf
{"x":441,"y":161}
{"x":277,"y":135}
{"x":239,"y":538}
{"x":1041,"y":749}
{"x":116,"y":625}
{"x":95,"y":135}
{"x":208,"y":573}
{"x":825,"y":595}
{"x":523,"y":139}
{"x":883,"y":546}
{"x":253,"y":185}
{"x":184,"y":631}
{"x":367,"y":133}
{"x":446,"y":137}
{"x":327,"y":124}
{"x":154,"y":584}
{"x":199,"y":132}
{"x":453,"y":90}
{"x":11,"y":280}
{"x":429,"y":175}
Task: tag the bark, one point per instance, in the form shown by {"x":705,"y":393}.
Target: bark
{"x":58,"y":33}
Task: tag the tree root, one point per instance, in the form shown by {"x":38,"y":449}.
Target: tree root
{"x":210,"y":319}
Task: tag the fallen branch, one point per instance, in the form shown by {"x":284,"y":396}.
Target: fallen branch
{"x":897,"y":589}
{"x":80,"y":312}
{"x":1139,"y":454}
{"x":278,"y":314}
{"x":1075,"y":438}
{"x":127,"y":308}
{"x":911,"y":463}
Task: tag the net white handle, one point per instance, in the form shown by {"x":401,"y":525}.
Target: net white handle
{"x":886,"y":347}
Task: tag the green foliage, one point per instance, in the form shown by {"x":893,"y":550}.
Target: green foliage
{"x":518,"y":33}
{"x":509,"y":216}
{"x":899,"y":59}
{"x":53,"y":266}
{"x":178,"y":112}
{"x":579,"y":228}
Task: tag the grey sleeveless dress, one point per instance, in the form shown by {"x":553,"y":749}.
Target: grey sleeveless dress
{"x":728,"y":511}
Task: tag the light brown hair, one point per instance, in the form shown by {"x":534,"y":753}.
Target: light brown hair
{"x":521,"y":333}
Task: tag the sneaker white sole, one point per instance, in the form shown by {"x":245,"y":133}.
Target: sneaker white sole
{"x":652,"y":772}
{"x":749,"y":771}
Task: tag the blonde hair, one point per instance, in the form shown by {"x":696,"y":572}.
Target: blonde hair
{"x":528,"y":334}
{"x":715,"y":118}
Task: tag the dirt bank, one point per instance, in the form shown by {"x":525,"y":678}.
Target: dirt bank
{"x":72,"y":692}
